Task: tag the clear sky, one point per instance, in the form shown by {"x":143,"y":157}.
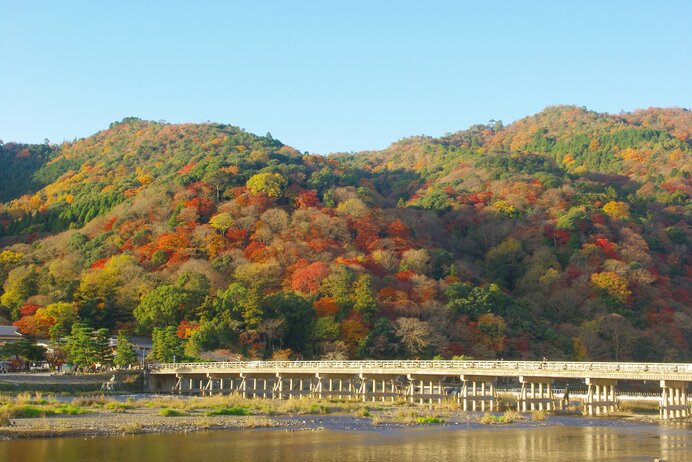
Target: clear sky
{"x":328,"y":76}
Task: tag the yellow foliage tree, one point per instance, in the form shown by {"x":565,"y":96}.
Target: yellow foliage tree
{"x":617,"y":210}
{"x":611,"y":285}
{"x":221,"y":222}
{"x":271,"y":184}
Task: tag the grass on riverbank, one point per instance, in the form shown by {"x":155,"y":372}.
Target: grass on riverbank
{"x":171,"y":413}
{"x":639,"y":407}
{"x":269,"y":407}
{"x":229,"y":411}
{"x":14,"y":411}
{"x":508,"y":417}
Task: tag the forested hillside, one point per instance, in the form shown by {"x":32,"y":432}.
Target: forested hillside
{"x":563,"y":235}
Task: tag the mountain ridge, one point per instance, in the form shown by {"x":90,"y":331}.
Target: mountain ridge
{"x":564,"y":233}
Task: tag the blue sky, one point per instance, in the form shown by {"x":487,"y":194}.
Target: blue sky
{"x":333,"y":76}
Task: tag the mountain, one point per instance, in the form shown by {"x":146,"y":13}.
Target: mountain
{"x":564,"y":235}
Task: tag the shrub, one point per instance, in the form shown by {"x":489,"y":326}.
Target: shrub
{"x":171,"y":413}
{"x":506,"y":418}
{"x":318,"y":409}
{"x":119,"y":407}
{"x":538,"y":416}
{"x":27,"y":411}
{"x":70,"y":409}
{"x":229,"y":411}
{"x":489,"y":419}
{"x":430,"y":420}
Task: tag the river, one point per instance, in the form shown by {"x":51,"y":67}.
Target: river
{"x":609,"y":441}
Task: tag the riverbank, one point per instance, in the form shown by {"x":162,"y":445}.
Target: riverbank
{"x":39,"y":416}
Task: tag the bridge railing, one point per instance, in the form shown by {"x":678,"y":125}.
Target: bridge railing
{"x":441,"y":365}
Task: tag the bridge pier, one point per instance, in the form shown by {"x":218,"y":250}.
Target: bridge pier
{"x":600,"y":398}
{"x":256,"y":385}
{"x":425,"y":388}
{"x":378,"y":387}
{"x":189,"y":384}
{"x":221,"y":384}
{"x":536,"y":394}
{"x":673,"y":400}
{"x":293,"y":385}
{"x":340,"y":386}
{"x":482,"y":391}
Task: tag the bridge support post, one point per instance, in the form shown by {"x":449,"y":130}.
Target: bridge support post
{"x":536,"y":394}
{"x":225,"y":382}
{"x":378,"y":387}
{"x":487,"y":399}
{"x":673,"y":400}
{"x":257,"y":385}
{"x":292,"y":385}
{"x":600,"y":398}
{"x":189,"y":384}
{"x":418,"y":390}
{"x":331,"y":385}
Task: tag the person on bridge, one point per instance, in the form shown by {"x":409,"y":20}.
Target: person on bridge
{"x":565,"y":398}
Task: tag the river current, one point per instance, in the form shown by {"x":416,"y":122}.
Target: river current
{"x":564,"y":443}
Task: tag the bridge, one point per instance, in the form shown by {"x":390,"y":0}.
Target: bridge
{"x":472,"y":383}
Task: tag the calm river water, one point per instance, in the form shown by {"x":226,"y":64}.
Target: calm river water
{"x":618,"y":442}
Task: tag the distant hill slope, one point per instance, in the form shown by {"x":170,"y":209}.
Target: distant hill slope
{"x":565,"y":234}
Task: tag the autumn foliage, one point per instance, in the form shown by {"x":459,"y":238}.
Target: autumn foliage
{"x":566,"y":232}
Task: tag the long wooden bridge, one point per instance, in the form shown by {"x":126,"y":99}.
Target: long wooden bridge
{"x":472,"y":383}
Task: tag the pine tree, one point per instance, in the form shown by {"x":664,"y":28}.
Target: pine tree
{"x":79,"y":345}
{"x":125,"y":354}
{"x":103,"y":354}
{"x":363,"y":299}
{"x":167,"y":346}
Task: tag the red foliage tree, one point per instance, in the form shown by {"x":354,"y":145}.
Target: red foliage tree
{"x":187,"y":168}
{"x":187,"y":328}
{"x":36,"y":325}
{"x":255,"y":251}
{"x":203,"y":205}
{"x":306,"y":199}
{"x":28,"y":309}
{"x":325,"y":306}
{"x":608,"y":248}
{"x":307,"y":279}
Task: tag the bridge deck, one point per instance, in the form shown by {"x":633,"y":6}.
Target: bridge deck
{"x":551,"y":369}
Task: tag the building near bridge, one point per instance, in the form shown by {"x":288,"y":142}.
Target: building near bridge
{"x":9,"y":334}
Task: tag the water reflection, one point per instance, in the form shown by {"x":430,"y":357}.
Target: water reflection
{"x":549,"y":443}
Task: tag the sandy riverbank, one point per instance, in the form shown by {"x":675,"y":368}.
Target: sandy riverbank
{"x":102,"y":416}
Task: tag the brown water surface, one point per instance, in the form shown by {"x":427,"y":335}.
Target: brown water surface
{"x":640,"y":442}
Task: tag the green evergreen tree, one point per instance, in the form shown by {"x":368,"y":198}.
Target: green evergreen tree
{"x":167,"y":346}
{"x":364,"y":301}
{"x":125,"y":354}
{"x":103,"y":353}
{"x":79,"y":346}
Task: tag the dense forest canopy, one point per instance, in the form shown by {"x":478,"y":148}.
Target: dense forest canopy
{"x":565,"y":234}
